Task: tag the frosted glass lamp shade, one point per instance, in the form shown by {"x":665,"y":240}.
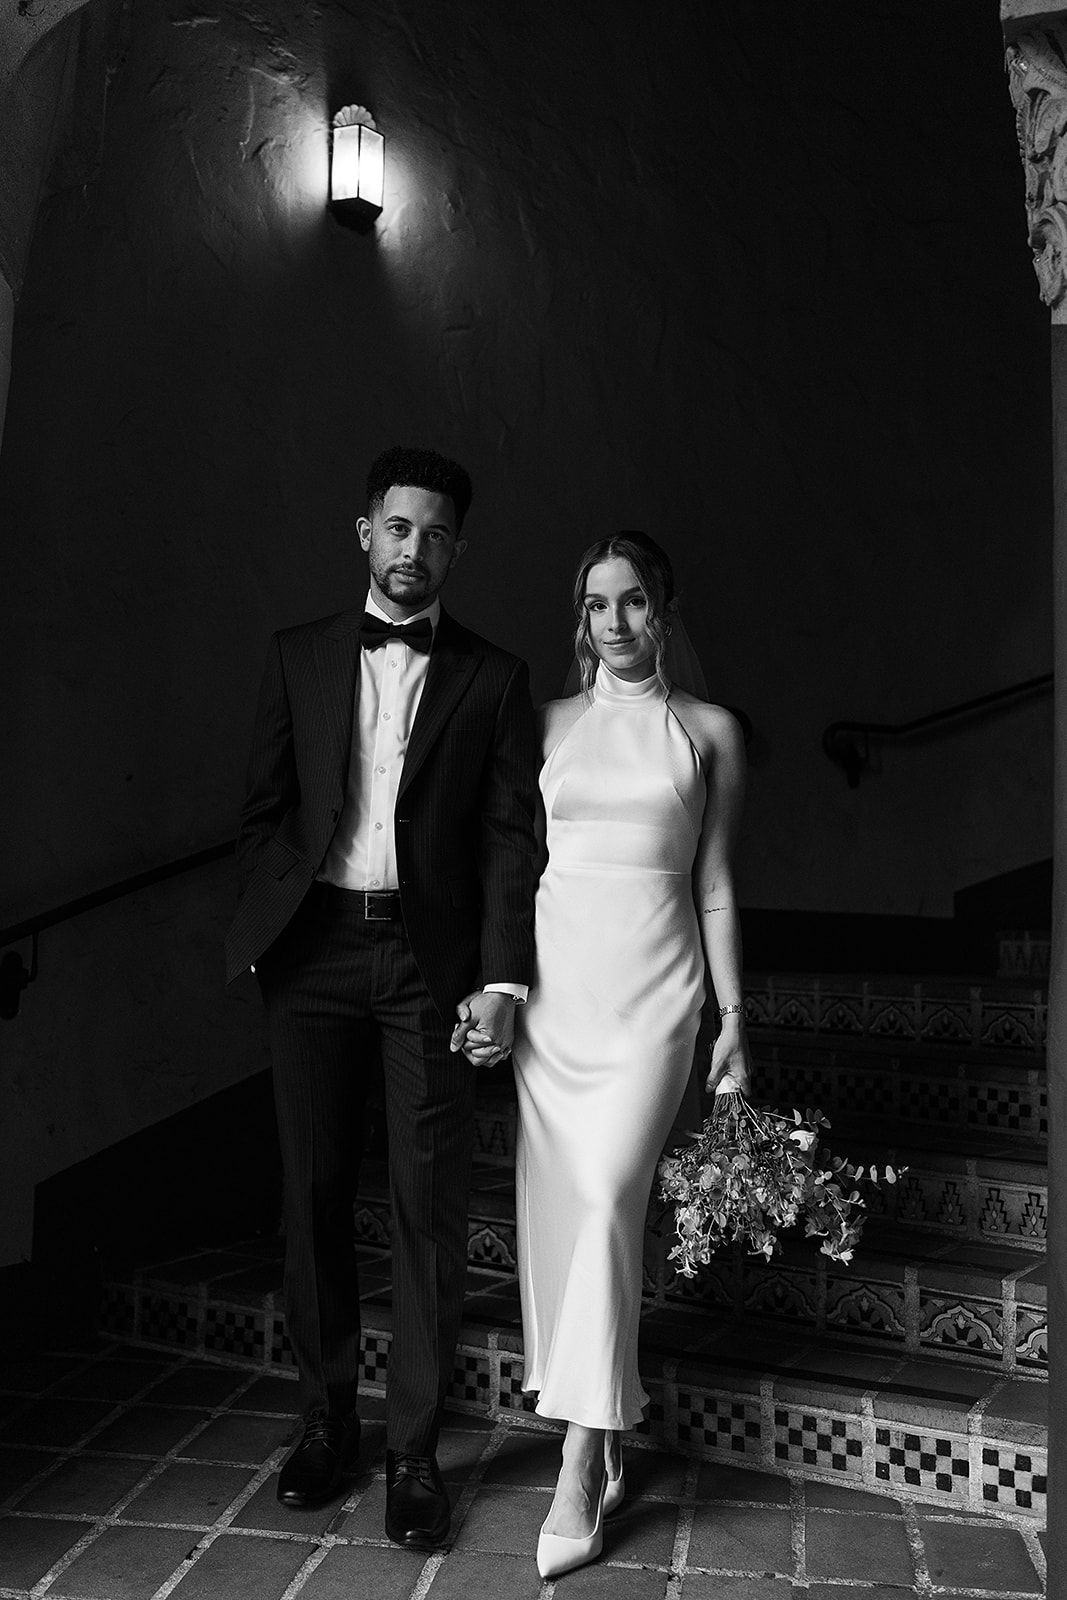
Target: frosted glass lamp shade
{"x":357,"y":172}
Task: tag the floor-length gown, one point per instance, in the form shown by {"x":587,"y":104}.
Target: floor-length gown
{"x":605,"y":1044}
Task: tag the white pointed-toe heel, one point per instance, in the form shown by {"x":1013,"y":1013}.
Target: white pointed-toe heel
{"x":614,"y":1488}
{"x":557,"y":1555}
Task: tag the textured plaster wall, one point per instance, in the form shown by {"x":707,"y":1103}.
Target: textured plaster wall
{"x":755,"y":279}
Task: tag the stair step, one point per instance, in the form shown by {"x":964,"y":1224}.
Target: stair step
{"x":908,"y":1287}
{"x":767,"y":1396}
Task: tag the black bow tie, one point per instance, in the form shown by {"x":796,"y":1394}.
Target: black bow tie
{"x":373,"y":633}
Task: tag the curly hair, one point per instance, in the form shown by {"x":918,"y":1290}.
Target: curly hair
{"x":655,"y":576}
{"x":419,"y":469}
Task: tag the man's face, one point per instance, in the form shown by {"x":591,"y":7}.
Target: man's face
{"x":411,"y":545}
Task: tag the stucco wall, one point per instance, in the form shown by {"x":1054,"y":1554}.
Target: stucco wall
{"x":755,"y":279}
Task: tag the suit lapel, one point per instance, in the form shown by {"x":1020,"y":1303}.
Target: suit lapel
{"x":337,"y":660}
{"x":453,"y":661}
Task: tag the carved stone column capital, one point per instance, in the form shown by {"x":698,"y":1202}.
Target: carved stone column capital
{"x":1037,"y":79}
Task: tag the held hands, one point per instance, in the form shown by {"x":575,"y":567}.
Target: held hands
{"x":731,"y":1063}
{"x":485,"y":1029}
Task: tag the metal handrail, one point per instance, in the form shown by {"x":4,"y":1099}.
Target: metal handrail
{"x":841,"y":743}
{"x":14,"y":975}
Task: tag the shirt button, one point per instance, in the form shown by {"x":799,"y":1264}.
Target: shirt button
{"x":394,"y":663}
{"x":376,"y":883}
{"x":385,"y":716}
{"x":380,"y":771}
{"x":378,"y":827}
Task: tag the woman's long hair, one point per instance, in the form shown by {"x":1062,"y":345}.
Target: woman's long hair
{"x":654,"y":574}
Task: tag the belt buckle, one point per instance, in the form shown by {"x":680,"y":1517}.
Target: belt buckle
{"x":371,"y":916}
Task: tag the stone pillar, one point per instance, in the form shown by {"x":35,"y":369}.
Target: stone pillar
{"x":1036,"y":38}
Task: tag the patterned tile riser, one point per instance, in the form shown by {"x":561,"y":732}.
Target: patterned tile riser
{"x":490,"y":1242}
{"x":976,"y":1473}
{"x":867,"y":1309}
{"x":916,"y":1018}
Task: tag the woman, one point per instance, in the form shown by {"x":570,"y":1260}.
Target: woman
{"x":642,"y":785}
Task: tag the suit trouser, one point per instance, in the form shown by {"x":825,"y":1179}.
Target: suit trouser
{"x":330,"y":983}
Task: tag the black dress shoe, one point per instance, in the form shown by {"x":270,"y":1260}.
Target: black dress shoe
{"x":417,"y":1512}
{"x":312,"y":1470}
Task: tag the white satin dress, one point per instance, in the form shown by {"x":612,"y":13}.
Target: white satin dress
{"x":605,"y":1044}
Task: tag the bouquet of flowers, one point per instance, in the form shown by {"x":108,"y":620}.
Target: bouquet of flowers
{"x":750,"y":1173}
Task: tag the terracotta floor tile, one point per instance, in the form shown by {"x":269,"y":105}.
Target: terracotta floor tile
{"x":467,"y":1575}
{"x":30,"y":1545}
{"x":733,"y":1483}
{"x":698,"y":1586}
{"x":126,"y":1563}
{"x":18,"y":1466}
{"x":264,"y":1511}
{"x":113,"y":1380}
{"x":234,"y":1437}
{"x":835,"y":1497}
{"x":240,"y":1567}
{"x":352,"y":1572}
{"x":741,"y":1539}
{"x":186,"y":1492}
{"x":34,"y":1374}
{"x":271,"y":1394}
{"x":199,"y":1386}
{"x":147,"y":1430}
{"x":842,"y":1546}
{"x":653,"y":1472}
{"x":963,"y":1556}
{"x":599,"y":1581}
{"x":505,"y":1521}
{"x":526,"y":1458}
{"x":55,"y":1421}
{"x":85,"y":1485}
{"x":643,"y":1530}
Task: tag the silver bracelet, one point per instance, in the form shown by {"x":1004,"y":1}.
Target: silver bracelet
{"x":725,"y":1011}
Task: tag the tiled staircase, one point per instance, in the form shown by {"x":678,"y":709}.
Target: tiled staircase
{"x":917,"y":1369}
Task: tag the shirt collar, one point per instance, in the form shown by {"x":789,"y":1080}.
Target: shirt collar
{"x":433,"y":611}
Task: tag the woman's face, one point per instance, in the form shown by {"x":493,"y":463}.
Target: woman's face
{"x":616,"y":607}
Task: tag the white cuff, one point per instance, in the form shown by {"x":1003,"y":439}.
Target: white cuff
{"x":519,"y":992}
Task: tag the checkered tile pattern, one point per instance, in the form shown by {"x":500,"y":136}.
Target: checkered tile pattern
{"x":511,"y":1395}
{"x":165,"y":1319}
{"x":281,"y":1351}
{"x":373,"y":1356}
{"x":717,"y":1422}
{"x":930,"y":1099}
{"x":1000,"y":1105}
{"x":923,"y":1462}
{"x":814,"y":1440}
{"x":1013,"y":1479}
{"x":118,"y":1310}
{"x":654,"y":1425}
{"x":228,"y":1331}
{"x":471,"y":1379}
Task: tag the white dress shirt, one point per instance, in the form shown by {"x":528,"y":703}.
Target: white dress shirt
{"x":362,"y":852}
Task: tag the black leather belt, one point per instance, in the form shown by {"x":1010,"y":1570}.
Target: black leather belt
{"x":373,"y":905}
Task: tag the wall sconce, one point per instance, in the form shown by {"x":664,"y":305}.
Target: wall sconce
{"x":357,"y":169}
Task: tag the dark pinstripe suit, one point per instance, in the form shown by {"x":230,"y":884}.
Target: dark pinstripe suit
{"x":466,"y":860}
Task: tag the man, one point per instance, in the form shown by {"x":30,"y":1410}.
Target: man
{"x":386,"y":861}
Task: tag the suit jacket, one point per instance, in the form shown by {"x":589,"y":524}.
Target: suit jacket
{"x":465,"y":850}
